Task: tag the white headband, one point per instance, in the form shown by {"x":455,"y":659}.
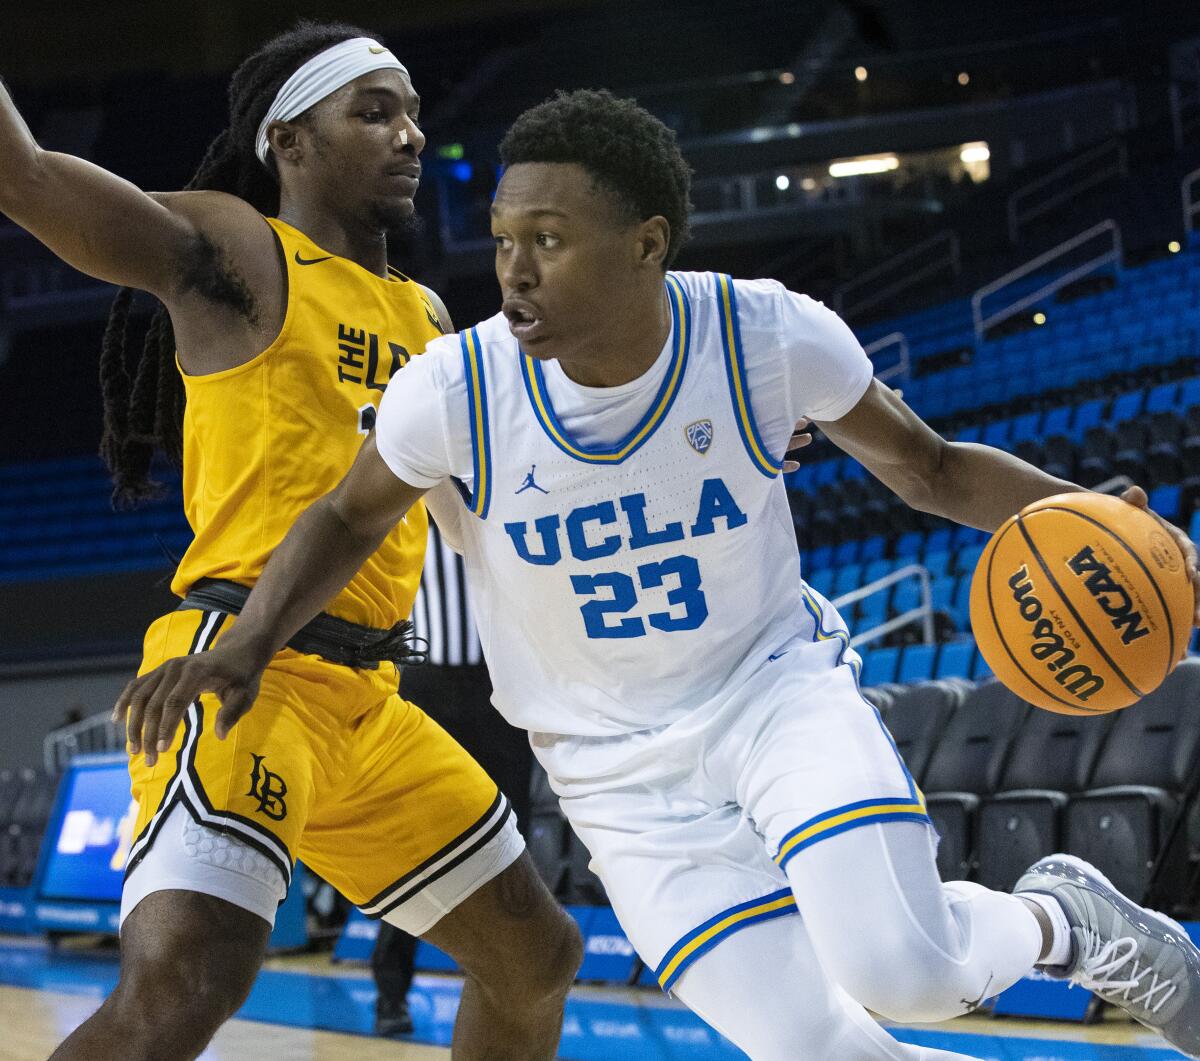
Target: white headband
{"x":323,"y":74}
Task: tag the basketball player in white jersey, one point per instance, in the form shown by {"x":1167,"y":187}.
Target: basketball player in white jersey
{"x":616,"y":436}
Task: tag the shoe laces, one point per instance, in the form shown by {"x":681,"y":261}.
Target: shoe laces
{"x":1102,"y":960}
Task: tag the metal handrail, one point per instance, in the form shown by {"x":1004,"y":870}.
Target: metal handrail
{"x":952,"y":260}
{"x":1114,"y":256}
{"x":901,"y":367}
{"x":1092,"y":178}
{"x":1191,"y":204}
{"x":922,"y":613}
{"x":94,"y":734}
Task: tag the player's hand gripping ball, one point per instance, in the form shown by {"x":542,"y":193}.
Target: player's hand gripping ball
{"x":1082,"y":603}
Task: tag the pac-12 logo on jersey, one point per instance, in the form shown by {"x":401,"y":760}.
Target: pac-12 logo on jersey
{"x":699,"y":435}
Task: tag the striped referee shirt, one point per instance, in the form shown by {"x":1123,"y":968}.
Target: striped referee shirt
{"x":442,"y":610}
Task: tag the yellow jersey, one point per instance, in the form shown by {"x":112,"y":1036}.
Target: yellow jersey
{"x":264,"y":440}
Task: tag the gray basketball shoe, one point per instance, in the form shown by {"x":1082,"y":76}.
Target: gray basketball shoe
{"x":1132,"y":957}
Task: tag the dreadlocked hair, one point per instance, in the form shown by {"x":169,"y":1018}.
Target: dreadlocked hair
{"x":144,"y":402}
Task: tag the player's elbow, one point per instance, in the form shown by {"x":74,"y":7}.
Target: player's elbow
{"x":924,"y":480}
{"x":22,"y":177}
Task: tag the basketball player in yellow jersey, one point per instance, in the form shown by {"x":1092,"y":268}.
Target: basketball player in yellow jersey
{"x":287,"y":323}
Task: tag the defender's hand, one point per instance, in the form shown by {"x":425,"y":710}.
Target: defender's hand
{"x":800,"y":438}
{"x":154,"y":704}
{"x":1135,"y":495}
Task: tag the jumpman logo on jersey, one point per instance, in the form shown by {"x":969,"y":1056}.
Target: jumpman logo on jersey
{"x":529,"y":484}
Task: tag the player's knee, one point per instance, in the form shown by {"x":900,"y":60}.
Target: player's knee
{"x":541,"y":969}
{"x":173,"y":1004}
{"x":883,"y":975}
{"x":896,"y":984}
{"x":552,"y":959}
{"x":172,"y":991}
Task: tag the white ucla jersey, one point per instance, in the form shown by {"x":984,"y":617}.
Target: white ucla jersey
{"x":616,"y":587}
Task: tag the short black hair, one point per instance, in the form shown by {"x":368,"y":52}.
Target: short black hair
{"x":622,"y":145}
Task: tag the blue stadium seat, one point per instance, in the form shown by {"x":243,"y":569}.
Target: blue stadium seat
{"x":846,"y":553}
{"x":1162,"y":398}
{"x":938,"y":563}
{"x":970,"y":433}
{"x":825,"y":472}
{"x":1025,"y":427}
{"x":880,"y":666}
{"x":1057,"y":421}
{"x":980,"y":671}
{"x":954,"y":661}
{"x":1189,"y":393}
{"x":997,"y":433}
{"x":966,"y":559}
{"x":1126,"y":407}
{"x":910,"y":544}
{"x":966,"y":537}
{"x":1194,"y":528}
{"x":1165,"y":501}
{"x":937,"y":541}
{"x":873,"y":548}
{"x":820,"y":557}
{"x":871,"y":612}
{"x":916,"y":663}
{"x":847,"y":578}
{"x":906,"y":595}
{"x":962,"y":602}
{"x":941,"y":591}
{"x":1086,"y":415}
{"x":876,"y":569}
{"x":821,"y":580}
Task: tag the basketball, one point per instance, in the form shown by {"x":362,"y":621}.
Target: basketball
{"x":1081,"y":604}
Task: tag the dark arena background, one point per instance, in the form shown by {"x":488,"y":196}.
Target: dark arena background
{"x":1003,"y":201}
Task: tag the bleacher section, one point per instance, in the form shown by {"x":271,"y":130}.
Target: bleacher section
{"x":56,"y":521}
{"x":26,"y":798}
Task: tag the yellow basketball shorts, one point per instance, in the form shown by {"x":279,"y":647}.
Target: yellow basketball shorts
{"x":330,"y":766}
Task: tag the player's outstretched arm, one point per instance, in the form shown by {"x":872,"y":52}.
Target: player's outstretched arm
{"x":979,"y":486}
{"x":92,"y":219}
{"x":319,"y":556}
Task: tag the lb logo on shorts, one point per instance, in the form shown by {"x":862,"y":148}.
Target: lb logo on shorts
{"x":269,"y":789}
{"x":699,"y":435}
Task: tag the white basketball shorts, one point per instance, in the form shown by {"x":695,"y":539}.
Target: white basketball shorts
{"x":689,"y":825}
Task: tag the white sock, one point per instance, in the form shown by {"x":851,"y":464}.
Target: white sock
{"x":1060,"y":944}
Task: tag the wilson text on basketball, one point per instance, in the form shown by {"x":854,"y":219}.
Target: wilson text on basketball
{"x":1048,"y":646}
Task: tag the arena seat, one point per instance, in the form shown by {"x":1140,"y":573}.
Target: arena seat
{"x":937,"y":561}
{"x":9,"y":787}
{"x":916,"y":718}
{"x":916,"y":663}
{"x":1120,"y":822}
{"x":1165,"y":501}
{"x":880,"y":666}
{"x":1052,"y":757}
{"x":548,"y":833}
{"x":10,"y":856}
{"x":954,"y":660}
{"x":583,"y":886}
{"x":966,"y":765}
{"x":871,"y":612}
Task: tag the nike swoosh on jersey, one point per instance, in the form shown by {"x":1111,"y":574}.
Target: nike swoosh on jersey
{"x":311,"y":261}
